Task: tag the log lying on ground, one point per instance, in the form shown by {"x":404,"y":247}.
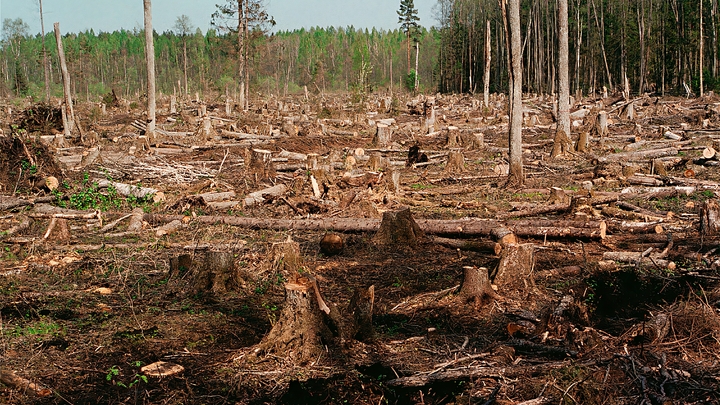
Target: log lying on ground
{"x":23,"y":225}
{"x":473,"y":372}
{"x":128,"y":190}
{"x":468,"y":226}
{"x":258,"y":197}
{"x":10,"y":202}
{"x":24,"y":385}
{"x":49,"y":211}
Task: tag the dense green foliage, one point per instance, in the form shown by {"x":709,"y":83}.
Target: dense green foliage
{"x":323,"y":59}
{"x":654,"y":44}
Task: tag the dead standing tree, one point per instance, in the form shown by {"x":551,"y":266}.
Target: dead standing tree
{"x":68,"y":110}
{"x":515,"y":175}
{"x":150,"y":57}
{"x":562,"y":134}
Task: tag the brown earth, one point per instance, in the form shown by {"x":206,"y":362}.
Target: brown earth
{"x":80,"y":317}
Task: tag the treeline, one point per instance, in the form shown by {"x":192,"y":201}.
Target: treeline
{"x":323,"y":59}
{"x":636,"y":45}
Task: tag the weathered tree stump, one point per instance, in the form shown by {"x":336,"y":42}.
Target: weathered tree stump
{"x":561,"y":144}
{"x":58,"y":230}
{"x":709,"y":218}
{"x":173,"y":104}
{"x":304,"y":325}
{"x":516,"y":265}
{"x":259,"y":164}
{"x":430,"y":121}
{"x":377,"y":162}
{"x":454,"y":140}
{"x":398,"y":228}
{"x":476,"y":285}
{"x":583,"y":142}
{"x":136,"y":220}
{"x":455,"y":162}
{"x":214,"y":273}
{"x":361,"y":309}
{"x":383,"y":136}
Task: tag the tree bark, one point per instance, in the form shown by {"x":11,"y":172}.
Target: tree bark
{"x":488,"y":58}
{"x":562,"y":133}
{"x":69,"y":122}
{"x":150,"y":59}
{"x":517,"y":263}
{"x":515,"y":175}
{"x":46,"y":67}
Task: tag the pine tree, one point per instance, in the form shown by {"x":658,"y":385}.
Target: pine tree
{"x":408,"y":23}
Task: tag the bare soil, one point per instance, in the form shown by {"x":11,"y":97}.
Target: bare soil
{"x":81,"y":317}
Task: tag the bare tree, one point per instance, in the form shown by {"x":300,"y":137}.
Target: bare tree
{"x":515,"y":176}
{"x":68,"y":110}
{"x":562,"y":132}
{"x":46,"y":67}
{"x":488,"y":59}
{"x":184,"y":27}
{"x":150,"y":57}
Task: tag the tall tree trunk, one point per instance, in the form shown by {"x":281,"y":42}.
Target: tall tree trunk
{"x":69,"y":110}
{"x":46,"y":68}
{"x":241,"y":52}
{"x":515,"y":175}
{"x":702,"y":45}
{"x":150,"y":58}
{"x":641,"y":35}
{"x":601,"y":28}
{"x":563,"y":117}
{"x":417,"y":74}
{"x":713,"y":17}
{"x":488,"y":57}
{"x":187,"y":91}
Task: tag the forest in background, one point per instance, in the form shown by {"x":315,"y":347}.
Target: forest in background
{"x":638,"y":46}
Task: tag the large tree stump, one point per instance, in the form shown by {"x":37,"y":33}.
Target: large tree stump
{"x":398,"y":228}
{"x":214,"y":272}
{"x":454,"y":139}
{"x":476,"y":285}
{"x":303,"y":327}
{"x":517,"y":262}
{"x":259,"y":164}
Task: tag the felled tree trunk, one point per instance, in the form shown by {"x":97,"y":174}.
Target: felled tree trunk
{"x":398,"y":228}
{"x":304,"y":326}
{"x":516,"y":266}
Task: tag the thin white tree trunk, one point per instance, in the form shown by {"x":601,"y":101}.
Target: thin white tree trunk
{"x":150,"y":57}
{"x":46,"y":68}
{"x":68,"y":105}
{"x":417,"y":72}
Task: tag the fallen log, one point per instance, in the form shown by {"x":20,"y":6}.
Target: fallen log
{"x":258,"y":197}
{"x":128,"y":190}
{"x":24,"y":385}
{"x":49,"y":211}
{"x":9,"y":202}
{"x":473,"y":372}
{"x":468,"y":226}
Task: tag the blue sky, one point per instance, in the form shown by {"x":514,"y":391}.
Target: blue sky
{"x":111,"y":15}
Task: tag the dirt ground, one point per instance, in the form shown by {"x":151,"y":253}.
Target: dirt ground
{"x":84,"y":308}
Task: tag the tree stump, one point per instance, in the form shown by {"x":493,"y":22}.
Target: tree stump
{"x":173,"y":104}
{"x":285,"y":258}
{"x":214,"y":273}
{"x":383,"y":136}
{"x":377,"y":162}
{"x":583,"y":142}
{"x":398,"y":228}
{"x":709,"y":218}
{"x":455,"y":162}
{"x":516,"y":265}
{"x":430,"y":121}
{"x":361,"y":309}
{"x":454,"y":140}
{"x":136,"y":220}
{"x":303,"y":328}
{"x":602,"y":124}
{"x":476,"y":285}
{"x":561,"y":144}
{"x":259,"y":164}
{"x":58,"y":230}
